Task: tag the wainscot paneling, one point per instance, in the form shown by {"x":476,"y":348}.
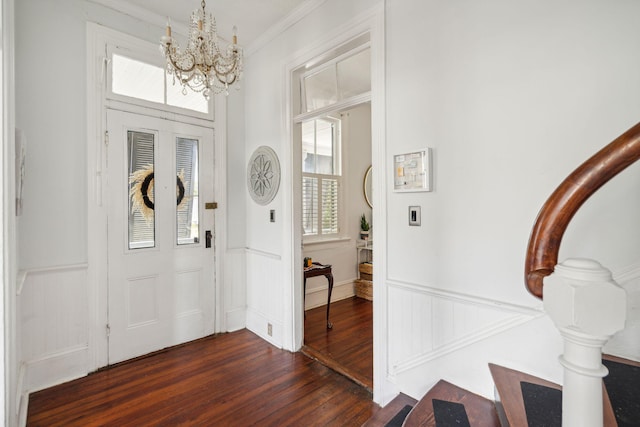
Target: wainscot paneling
{"x":54,"y":318}
{"x":235,"y":294}
{"x":436,"y":334}
{"x":265,"y":295}
{"x":426,"y":323}
{"x":626,"y":343}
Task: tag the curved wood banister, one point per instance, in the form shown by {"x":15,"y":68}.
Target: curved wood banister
{"x":561,"y":206}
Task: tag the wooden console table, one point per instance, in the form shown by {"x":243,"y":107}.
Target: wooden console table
{"x":318,"y":269}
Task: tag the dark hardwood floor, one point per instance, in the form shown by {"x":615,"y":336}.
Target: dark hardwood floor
{"x":234,"y":379}
{"x":348,"y":347}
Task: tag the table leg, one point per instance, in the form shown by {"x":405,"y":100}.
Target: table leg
{"x":330,"y":279}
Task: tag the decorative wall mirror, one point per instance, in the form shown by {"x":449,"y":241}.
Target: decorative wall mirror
{"x":366,"y":187}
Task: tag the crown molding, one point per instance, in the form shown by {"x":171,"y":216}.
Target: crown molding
{"x":142,"y":14}
{"x":281,"y":26}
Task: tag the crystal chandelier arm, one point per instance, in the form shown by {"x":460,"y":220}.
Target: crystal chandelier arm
{"x":220,"y":69}
{"x":175,"y":65}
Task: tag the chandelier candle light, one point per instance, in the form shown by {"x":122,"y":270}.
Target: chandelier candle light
{"x":203,"y":66}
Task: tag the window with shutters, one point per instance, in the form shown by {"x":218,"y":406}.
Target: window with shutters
{"x":321,"y":179}
{"x":140,"y":148}
{"x":141,"y":158}
{"x":187,"y":215}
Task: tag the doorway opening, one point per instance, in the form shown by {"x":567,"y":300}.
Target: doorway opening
{"x":332,"y":139}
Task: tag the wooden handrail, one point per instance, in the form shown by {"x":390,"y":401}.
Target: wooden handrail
{"x":561,"y":206}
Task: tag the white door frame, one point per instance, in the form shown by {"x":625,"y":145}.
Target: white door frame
{"x":97,"y":38}
{"x":371,"y":22}
{"x":9,"y":354}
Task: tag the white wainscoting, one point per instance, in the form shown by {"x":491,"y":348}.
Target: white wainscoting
{"x":54,"y":318}
{"x":427,"y":323}
{"x":626,"y":343}
{"x":436,"y":334}
{"x":235,"y":290}
{"x":265,"y":296}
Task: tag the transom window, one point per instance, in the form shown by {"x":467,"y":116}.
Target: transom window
{"x":337,"y":81}
{"x":138,"y":75}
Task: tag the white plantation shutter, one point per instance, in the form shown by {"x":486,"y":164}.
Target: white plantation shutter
{"x":186,"y":159}
{"x":330,"y":206}
{"x":320,"y":205}
{"x":310,"y":205}
{"x":140,"y":147}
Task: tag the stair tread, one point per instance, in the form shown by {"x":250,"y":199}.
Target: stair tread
{"x":507,"y":383}
{"x":386,"y":414}
{"x":623,"y":385}
{"x":621,"y":360}
{"x":480,"y":411}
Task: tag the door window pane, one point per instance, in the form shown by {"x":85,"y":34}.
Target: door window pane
{"x":187,"y":212}
{"x":140,"y":148}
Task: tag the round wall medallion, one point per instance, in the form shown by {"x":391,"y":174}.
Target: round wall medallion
{"x":263,"y":175}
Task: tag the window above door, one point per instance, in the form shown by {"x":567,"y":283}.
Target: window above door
{"x":137,"y":75}
{"x":337,"y":81}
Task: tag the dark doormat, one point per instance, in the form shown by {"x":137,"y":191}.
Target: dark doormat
{"x":399,"y":418}
{"x":449,"y":414}
{"x":543,"y":405}
{"x":623,"y":387}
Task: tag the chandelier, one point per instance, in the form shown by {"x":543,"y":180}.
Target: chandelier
{"x":203,"y":66}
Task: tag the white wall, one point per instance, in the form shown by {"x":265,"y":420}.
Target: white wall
{"x":51,"y":109}
{"x":356,"y":140}
{"x":511,"y":96}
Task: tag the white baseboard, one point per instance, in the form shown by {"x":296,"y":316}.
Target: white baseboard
{"x":258,"y":324}
{"x":53,"y":369}
{"x":23,"y":409}
{"x":318,"y":297}
{"x":236,"y":319}
{"x":22,"y":396}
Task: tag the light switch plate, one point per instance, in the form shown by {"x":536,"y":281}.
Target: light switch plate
{"x":414,"y":215}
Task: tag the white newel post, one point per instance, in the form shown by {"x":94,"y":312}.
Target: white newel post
{"x":588,"y":307}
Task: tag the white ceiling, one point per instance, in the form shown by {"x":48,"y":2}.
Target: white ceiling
{"x":252,"y":17}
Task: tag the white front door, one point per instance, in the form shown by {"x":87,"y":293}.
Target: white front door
{"x":160,"y":236}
